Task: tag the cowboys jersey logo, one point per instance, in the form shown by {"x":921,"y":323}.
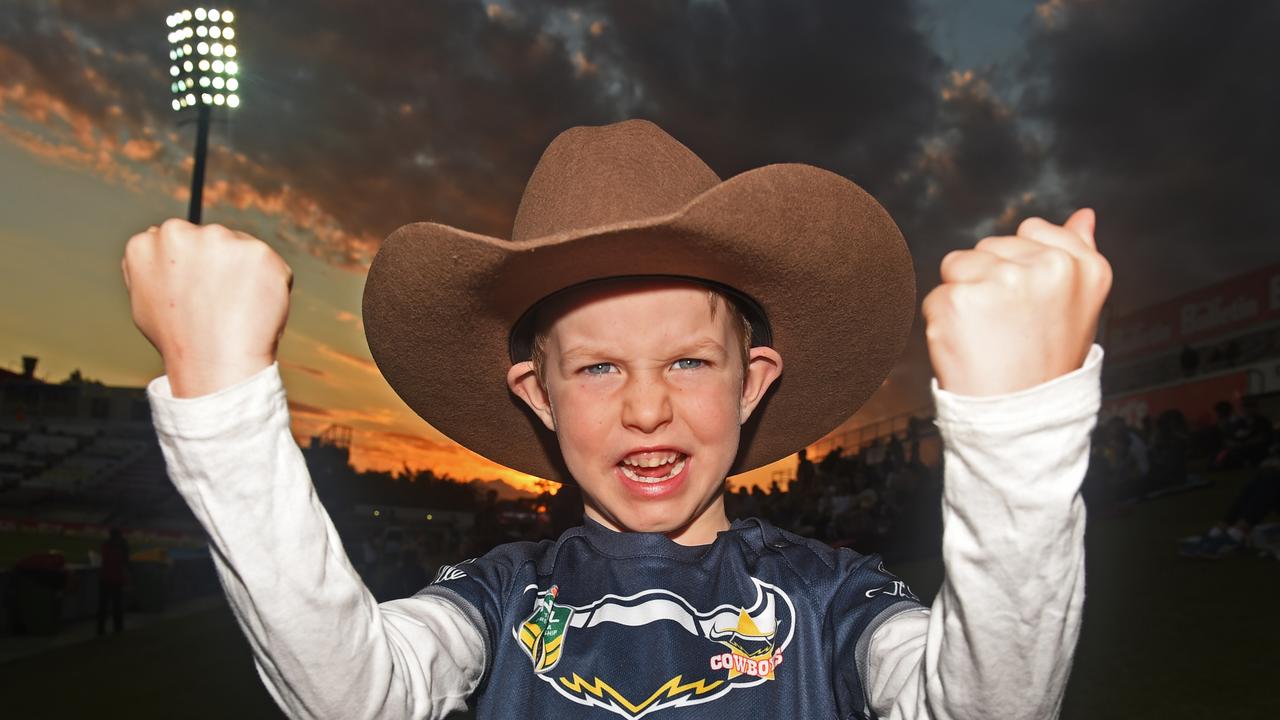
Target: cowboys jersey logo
{"x":584,"y":653}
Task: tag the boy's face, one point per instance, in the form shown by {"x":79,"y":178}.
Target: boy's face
{"x":646,"y":392}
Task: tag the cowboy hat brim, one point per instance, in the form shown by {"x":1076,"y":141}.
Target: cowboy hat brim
{"x":819,"y":255}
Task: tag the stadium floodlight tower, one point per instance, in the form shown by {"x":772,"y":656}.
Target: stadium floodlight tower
{"x":203,"y":70}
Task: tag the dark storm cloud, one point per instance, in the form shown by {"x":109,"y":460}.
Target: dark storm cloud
{"x":854,"y":87}
{"x":849,"y":86}
{"x":377,"y":115}
{"x":1163,"y":115}
{"x":976,"y":168}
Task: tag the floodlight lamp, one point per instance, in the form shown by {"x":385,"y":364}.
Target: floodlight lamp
{"x":191,"y":99}
{"x":204,"y":65}
{"x":228,"y":16}
{"x":186,"y":15}
{"x":186,"y":49}
{"x":218,"y":66}
{"x":218,"y":99}
{"x":200,"y":14}
{"x":213,"y":16}
{"x":233,"y":101}
{"x":232,"y":68}
{"x":230,"y":50}
{"x":228,"y":33}
{"x":203,"y":48}
{"x":233,"y":84}
{"x":206,"y":98}
{"x":202,"y":31}
{"x":216,"y":48}
{"x":188,"y":66}
{"x":173,"y":70}
{"x":177,"y":105}
{"x":215,"y":32}
{"x":204,"y":81}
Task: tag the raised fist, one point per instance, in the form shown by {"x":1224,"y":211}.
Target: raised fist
{"x":213,"y":301}
{"x":1017,"y":311}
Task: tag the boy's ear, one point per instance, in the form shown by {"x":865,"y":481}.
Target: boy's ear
{"x":764,"y":366}
{"x":523,"y":381}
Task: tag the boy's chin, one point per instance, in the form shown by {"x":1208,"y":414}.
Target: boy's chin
{"x":668,"y":520}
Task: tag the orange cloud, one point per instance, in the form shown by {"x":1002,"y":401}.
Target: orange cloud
{"x":347,"y":358}
{"x":74,"y":142}
{"x":300,"y":408}
{"x":139,"y":149}
{"x":582,"y":65}
{"x":315,"y":372}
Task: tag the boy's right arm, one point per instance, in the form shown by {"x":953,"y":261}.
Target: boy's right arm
{"x":214,"y":302}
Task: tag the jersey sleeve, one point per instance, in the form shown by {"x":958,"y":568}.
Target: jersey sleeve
{"x":1002,"y":630}
{"x":321,"y":643}
{"x":868,"y":596}
{"x":480,"y":587}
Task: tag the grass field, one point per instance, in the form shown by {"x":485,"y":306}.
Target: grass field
{"x":15,"y":546}
{"x":1164,"y":637}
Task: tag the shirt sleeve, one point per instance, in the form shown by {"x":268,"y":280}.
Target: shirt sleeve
{"x":321,"y":643}
{"x":1001,"y":632}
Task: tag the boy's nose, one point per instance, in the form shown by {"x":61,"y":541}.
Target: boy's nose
{"x":646,"y":406}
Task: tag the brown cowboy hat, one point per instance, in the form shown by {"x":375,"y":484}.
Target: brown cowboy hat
{"x":820,"y":267}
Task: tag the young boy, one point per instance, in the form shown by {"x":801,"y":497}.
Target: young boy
{"x":641,"y":314}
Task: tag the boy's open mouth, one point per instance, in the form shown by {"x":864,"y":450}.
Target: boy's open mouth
{"x":653,"y":467}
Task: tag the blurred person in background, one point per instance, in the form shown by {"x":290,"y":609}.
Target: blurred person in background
{"x":112,"y":577}
{"x":1259,"y":498}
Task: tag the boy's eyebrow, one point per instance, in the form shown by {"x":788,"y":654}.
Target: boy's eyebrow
{"x":583,"y":350}
{"x":703,"y":343}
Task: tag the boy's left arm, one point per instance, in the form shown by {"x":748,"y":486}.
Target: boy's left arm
{"x":1010,"y":333}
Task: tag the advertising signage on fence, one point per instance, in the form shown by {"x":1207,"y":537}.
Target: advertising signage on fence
{"x":1195,"y":398}
{"x":1243,"y":301}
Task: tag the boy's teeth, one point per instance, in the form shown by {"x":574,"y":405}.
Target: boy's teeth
{"x":674,"y":471}
{"x":650,"y":460}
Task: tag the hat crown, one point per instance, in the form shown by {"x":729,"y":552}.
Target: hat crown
{"x":594,"y":176}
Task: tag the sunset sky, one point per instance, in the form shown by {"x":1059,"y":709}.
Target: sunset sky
{"x":961,"y":117}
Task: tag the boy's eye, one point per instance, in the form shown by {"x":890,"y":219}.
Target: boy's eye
{"x":689,"y":364}
{"x":598,"y":369}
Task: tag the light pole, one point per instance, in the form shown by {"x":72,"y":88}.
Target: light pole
{"x":203,"y":72}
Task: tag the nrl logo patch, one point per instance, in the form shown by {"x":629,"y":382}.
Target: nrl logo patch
{"x":542,"y":633}
{"x":707,"y":654}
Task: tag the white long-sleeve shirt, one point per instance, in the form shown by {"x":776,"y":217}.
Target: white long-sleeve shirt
{"x":997,"y":642}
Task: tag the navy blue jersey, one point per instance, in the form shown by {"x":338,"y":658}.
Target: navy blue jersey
{"x":760,"y":623}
